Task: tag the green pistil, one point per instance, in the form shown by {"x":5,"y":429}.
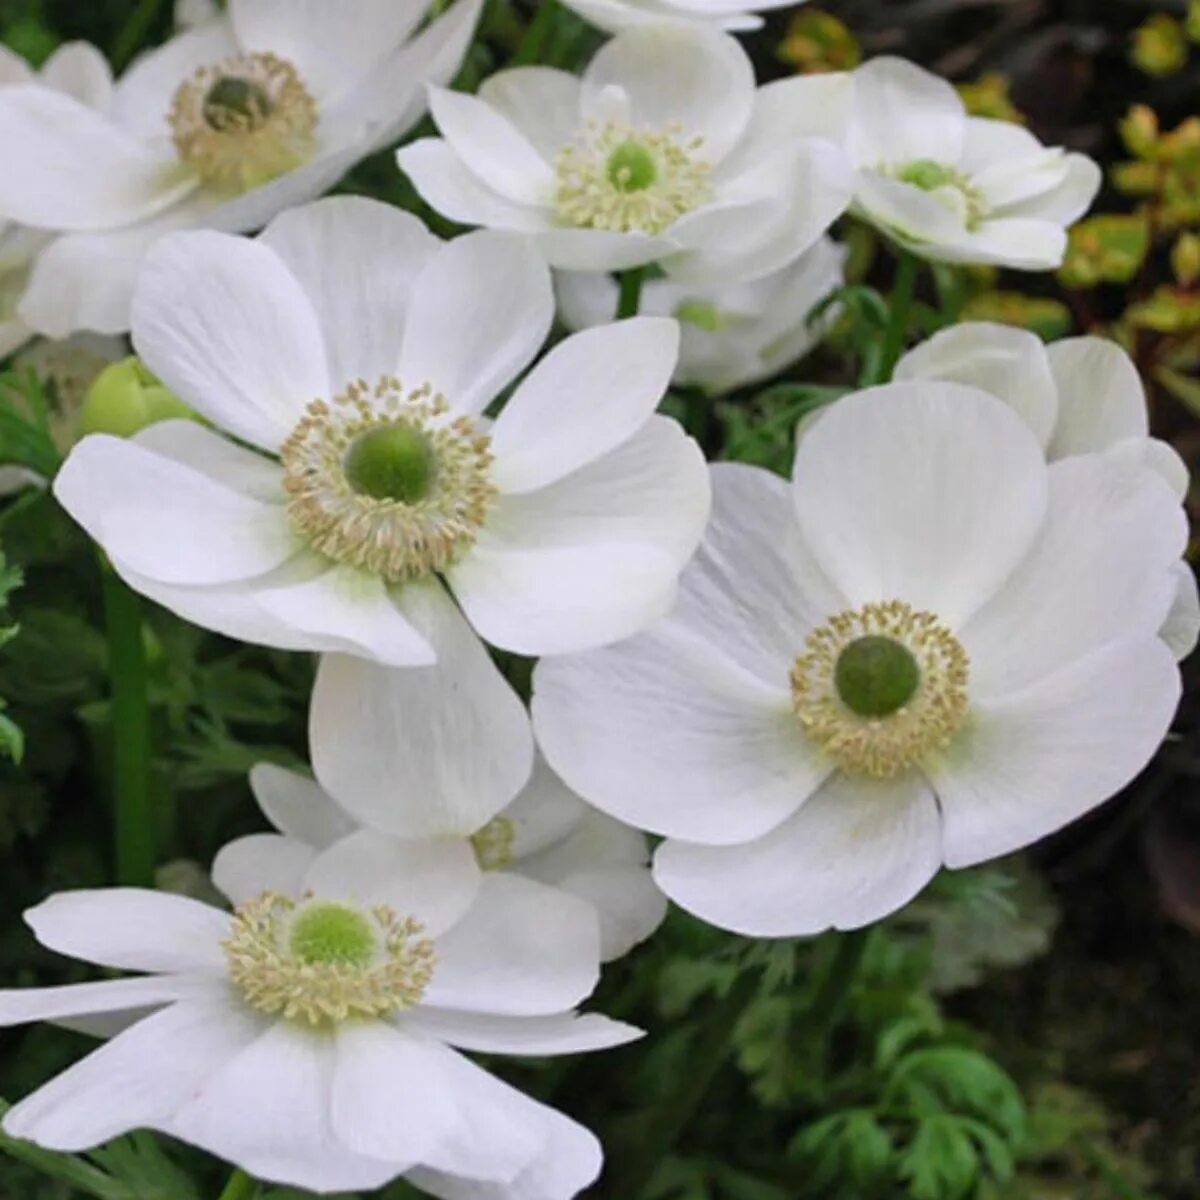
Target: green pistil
{"x":394,"y":462}
{"x":631,"y":167}
{"x":876,"y":676}
{"x":332,"y":934}
{"x":234,"y":101}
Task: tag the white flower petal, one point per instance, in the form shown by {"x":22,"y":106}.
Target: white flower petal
{"x":445,"y":184}
{"x":902,"y":114}
{"x":78,"y":69}
{"x":357,"y":609}
{"x":589,"y":395}
{"x":14,"y":68}
{"x":1070,"y":199}
{"x":67,"y":167}
{"x":696,"y":77}
{"x":1181,"y":629}
{"x":267,"y":1110}
{"x":261,"y":862}
{"x":542,"y":102}
{"x":569,"y":1160}
{"x":601,"y":249}
{"x":563,"y":1033}
{"x":855,"y":851}
{"x":606,"y":864}
{"x":544,"y":812}
{"x":914,"y":216}
{"x":1037,"y":759}
{"x":1006,"y":362}
{"x":484,"y":307}
{"x":492,"y":147}
{"x":1101,"y":568}
{"x":925,"y":492}
{"x":434,"y":881}
{"x":1017,"y":242}
{"x":299,"y":806}
{"x":357,"y":260}
{"x":22,"y":1005}
{"x":689,"y":723}
{"x":1101,"y":399}
{"x":137,"y":1080}
{"x":331,"y":47}
{"x":87,"y":280}
{"x":409,"y":1100}
{"x":223,"y":323}
{"x":522,"y":950}
{"x":142,"y":96}
{"x":168,"y":519}
{"x":592,"y":557}
{"x":467,"y":748}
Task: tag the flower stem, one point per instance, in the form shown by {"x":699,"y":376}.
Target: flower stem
{"x":135,"y":829}
{"x":134,"y":33}
{"x":536,"y":35}
{"x":663,"y":1129}
{"x":240,"y":1187}
{"x":631,"y":292}
{"x":835,"y":987}
{"x":901,"y":304}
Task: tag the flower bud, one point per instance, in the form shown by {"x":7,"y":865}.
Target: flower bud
{"x":125,"y":398}
{"x":1139,"y":130}
{"x":1185,"y":259}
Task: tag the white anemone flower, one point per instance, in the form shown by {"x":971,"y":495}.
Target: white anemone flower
{"x":932,"y":648}
{"x":80,"y":72}
{"x":547,"y":834}
{"x":313,"y":1036}
{"x":730,"y":335}
{"x":663,"y":152}
{"x":614,"y":15}
{"x":1079,"y":396}
{"x":954,"y":188}
{"x":224,"y":126}
{"x":352,"y":354}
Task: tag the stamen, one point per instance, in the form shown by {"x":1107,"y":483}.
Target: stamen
{"x":244,"y":122}
{"x":855,"y":696}
{"x":322,"y":962}
{"x":386,"y":481}
{"x":948,"y":185}
{"x":618,"y":178}
{"x":493,"y":844}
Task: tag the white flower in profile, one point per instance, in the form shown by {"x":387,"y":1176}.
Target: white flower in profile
{"x":663,"y":152}
{"x":730,"y":335}
{"x":354,"y":354}
{"x":1079,"y":396}
{"x":224,"y":126}
{"x":314,"y":1036}
{"x":956,"y":188}
{"x":79,"y":72}
{"x":932,"y":648}
{"x":615,"y":15}
{"x":546,"y":833}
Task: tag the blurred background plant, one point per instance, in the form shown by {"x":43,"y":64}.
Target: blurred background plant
{"x":1023,"y":1032}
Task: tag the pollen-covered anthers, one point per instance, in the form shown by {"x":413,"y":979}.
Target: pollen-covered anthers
{"x":880,"y":687}
{"x":627,"y":180}
{"x":386,"y":480}
{"x":243,"y":122}
{"x":493,"y":844}
{"x":322,"y":962}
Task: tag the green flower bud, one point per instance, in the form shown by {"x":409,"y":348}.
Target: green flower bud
{"x":125,"y":398}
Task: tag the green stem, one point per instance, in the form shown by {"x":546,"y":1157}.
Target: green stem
{"x":536,"y":36}
{"x":133,"y":33}
{"x":240,"y":1187}
{"x":631,"y":292}
{"x":901,"y":304}
{"x":135,"y":828}
{"x":834,"y":992}
{"x":665,"y":1126}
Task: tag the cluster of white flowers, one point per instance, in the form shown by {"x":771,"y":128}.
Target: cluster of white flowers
{"x":953,"y":632}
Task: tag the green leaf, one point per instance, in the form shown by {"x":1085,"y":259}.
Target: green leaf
{"x":941,"y":1162}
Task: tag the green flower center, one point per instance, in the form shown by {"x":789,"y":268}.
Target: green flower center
{"x":876,"y":676}
{"x":393,"y":462}
{"x":928,"y":175}
{"x":236,"y":102}
{"x":631,"y":167}
{"x":700,"y":314}
{"x":329,"y":934}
